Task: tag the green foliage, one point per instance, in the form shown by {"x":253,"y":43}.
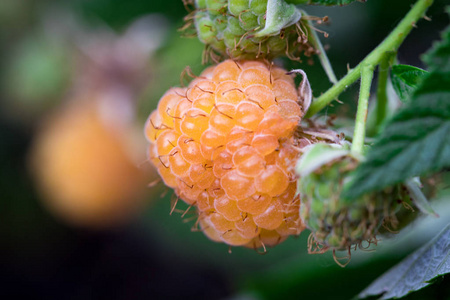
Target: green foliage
{"x":41,"y":68}
{"x":118,"y":14}
{"x":405,"y":80}
{"x":439,"y":58}
{"x":416,"y":271}
{"x":415,"y":141}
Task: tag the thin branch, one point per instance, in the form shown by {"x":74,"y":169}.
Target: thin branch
{"x":363,"y":105}
{"x":381,"y":108}
{"x":390,"y":44}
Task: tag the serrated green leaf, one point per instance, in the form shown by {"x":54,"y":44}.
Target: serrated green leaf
{"x":405,"y":80}
{"x":324,"y":2}
{"x":416,"y":271}
{"x":438,"y":57}
{"x":417,"y":139}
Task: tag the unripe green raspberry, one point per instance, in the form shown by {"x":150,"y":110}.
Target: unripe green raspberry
{"x":249,"y":29}
{"x":336,"y":222}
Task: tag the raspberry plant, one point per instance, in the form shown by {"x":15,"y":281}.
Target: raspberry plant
{"x":229,"y":142}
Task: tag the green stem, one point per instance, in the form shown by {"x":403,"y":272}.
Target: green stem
{"x":363,"y":105}
{"x":390,"y":44}
{"x":381,"y":109}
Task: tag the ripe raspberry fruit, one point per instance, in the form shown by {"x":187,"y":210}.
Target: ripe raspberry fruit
{"x":225,"y":145}
{"x":245,"y":29}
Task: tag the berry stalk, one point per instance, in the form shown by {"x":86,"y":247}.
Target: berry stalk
{"x":363,"y":104}
{"x":390,"y":44}
{"x":381,"y":108}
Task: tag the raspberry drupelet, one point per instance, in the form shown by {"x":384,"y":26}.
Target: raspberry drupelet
{"x":226,"y":145}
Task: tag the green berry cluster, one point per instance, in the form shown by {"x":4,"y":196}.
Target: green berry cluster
{"x":339,"y":223}
{"x":249,"y":29}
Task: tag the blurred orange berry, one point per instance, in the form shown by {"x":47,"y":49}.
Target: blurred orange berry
{"x":85,"y":163}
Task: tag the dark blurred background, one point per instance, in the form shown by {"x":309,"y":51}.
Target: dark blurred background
{"x":56,"y":56}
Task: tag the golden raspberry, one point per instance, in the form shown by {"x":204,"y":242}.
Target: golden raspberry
{"x":84,"y":161}
{"x":225,"y":145}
